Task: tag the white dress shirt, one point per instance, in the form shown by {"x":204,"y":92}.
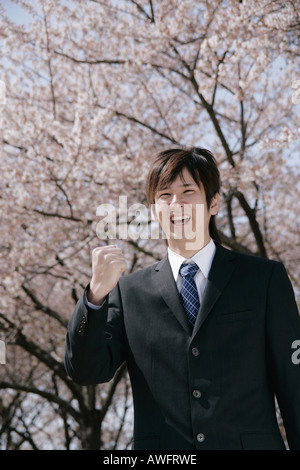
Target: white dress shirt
{"x":202,"y":258}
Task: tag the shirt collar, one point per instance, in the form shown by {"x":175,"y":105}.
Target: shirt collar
{"x":202,"y":258}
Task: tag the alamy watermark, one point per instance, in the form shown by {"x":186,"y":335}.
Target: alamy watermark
{"x":2,"y":92}
{"x":296,"y":92}
{"x":2,"y":352}
{"x":138,"y":221}
{"x":296,"y":353}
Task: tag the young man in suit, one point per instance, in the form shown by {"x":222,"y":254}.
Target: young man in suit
{"x":207,"y":333}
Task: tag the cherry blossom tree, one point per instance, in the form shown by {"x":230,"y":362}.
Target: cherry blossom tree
{"x":90,"y":90}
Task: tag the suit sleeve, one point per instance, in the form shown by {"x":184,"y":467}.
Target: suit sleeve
{"x":283,"y":326}
{"x":95,"y":341}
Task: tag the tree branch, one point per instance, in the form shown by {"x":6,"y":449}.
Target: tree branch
{"x":39,"y":306}
{"x":91,"y":61}
{"x":141,"y":9}
{"x":43,"y":393}
{"x":147,"y":126}
{"x":234,"y":244}
{"x":253,"y":223}
{"x":53,"y":214}
{"x":113,"y":385}
{"x":49,"y":65}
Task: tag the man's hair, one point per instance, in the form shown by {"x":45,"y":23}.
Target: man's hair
{"x":201,"y":164}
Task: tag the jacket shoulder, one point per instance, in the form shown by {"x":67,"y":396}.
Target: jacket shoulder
{"x":248,"y":259}
{"x":139,"y":274}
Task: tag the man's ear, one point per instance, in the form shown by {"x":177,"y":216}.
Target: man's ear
{"x":215,"y":204}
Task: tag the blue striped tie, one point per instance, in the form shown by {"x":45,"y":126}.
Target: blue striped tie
{"x":189,"y":291}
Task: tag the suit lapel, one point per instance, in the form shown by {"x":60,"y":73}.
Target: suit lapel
{"x":220,"y":273}
{"x":165,"y":284}
{"x":221,"y":270}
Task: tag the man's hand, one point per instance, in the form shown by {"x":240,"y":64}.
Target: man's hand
{"x":108,"y":264}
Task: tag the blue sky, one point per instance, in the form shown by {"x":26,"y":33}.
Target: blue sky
{"x":15,"y":12}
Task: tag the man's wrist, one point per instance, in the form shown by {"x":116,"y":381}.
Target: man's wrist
{"x":91,"y":300}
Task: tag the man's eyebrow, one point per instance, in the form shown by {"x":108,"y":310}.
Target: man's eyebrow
{"x":181,"y":185}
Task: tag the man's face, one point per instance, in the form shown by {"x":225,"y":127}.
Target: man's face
{"x":182,"y":212}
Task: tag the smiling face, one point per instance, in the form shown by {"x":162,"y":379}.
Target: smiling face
{"x":181,"y":209}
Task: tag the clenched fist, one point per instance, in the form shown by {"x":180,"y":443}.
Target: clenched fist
{"x":108,"y":264}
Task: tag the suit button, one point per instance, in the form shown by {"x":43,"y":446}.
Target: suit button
{"x":81,"y":330}
{"x":200,"y":437}
{"x":195,"y":352}
{"x":196,"y":393}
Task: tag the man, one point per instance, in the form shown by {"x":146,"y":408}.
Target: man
{"x":207,"y":333}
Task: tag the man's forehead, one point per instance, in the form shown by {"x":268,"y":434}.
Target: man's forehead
{"x":183,"y":178}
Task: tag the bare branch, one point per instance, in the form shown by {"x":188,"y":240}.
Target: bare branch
{"x":43,"y":308}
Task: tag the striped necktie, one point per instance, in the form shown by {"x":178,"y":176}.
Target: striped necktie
{"x":189,"y":291}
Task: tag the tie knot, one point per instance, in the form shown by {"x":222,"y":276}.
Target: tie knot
{"x":188,"y":269}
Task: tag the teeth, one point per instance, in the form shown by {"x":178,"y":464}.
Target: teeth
{"x":180,"y":219}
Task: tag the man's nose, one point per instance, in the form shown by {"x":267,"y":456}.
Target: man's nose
{"x":176,"y":200}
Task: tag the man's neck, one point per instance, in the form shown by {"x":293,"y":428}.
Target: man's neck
{"x":181,"y":248}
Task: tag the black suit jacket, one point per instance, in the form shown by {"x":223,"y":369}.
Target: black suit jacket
{"x":210,"y":388}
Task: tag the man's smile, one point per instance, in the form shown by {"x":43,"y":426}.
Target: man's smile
{"x":180,"y":220}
